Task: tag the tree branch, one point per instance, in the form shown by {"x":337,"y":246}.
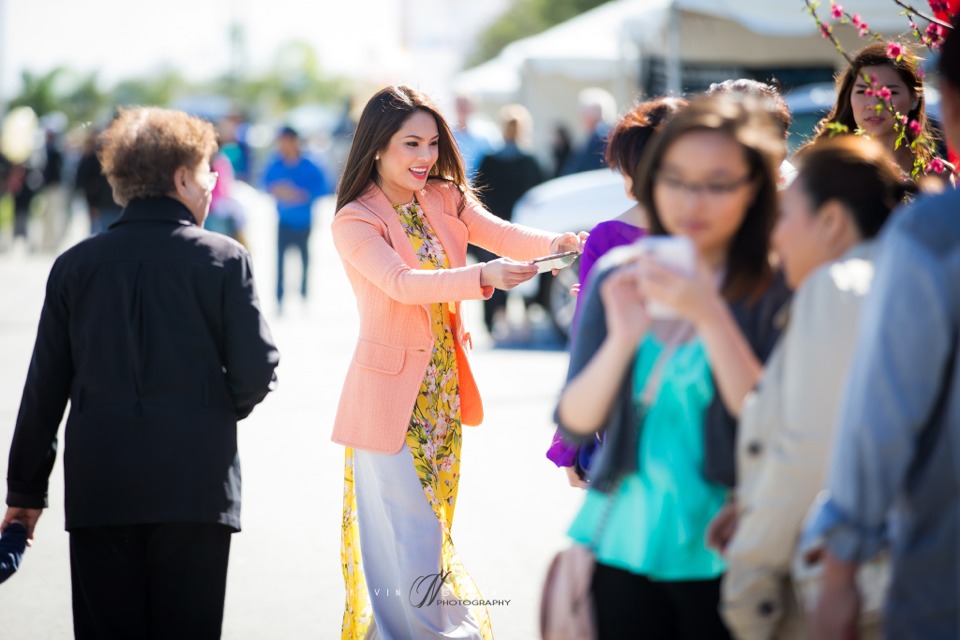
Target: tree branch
{"x":934,"y":20}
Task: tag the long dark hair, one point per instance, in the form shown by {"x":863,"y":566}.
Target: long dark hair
{"x":856,"y":172}
{"x":383,"y":116}
{"x":875,"y":55}
{"x":749,"y":123}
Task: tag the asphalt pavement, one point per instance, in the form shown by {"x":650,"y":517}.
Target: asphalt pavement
{"x":285,"y":579}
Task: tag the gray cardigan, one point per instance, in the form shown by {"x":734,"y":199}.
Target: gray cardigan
{"x":622,"y":428}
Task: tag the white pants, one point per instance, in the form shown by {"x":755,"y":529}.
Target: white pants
{"x":400,"y":545}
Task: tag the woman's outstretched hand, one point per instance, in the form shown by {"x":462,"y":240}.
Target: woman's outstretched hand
{"x":505,"y":274}
{"x":569,"y":241}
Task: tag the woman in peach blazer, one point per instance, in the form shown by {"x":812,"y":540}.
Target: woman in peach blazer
{"x":405,"y":214}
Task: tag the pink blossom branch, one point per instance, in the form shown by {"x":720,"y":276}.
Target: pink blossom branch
{"x":826,"y":31}
{"x":934,"y":20}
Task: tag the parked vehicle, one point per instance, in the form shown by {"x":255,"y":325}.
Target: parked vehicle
{"x":570,"y":203}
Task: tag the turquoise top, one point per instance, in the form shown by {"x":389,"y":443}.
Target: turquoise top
{"x":657,"y":526}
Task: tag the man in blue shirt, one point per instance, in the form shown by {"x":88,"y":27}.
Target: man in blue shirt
{"x":895,"y":476}
{"x":295,"y":182}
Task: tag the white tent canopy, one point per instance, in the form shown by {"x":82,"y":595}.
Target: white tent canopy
{"x":595,"y":44}
{"x":605,"y":46}
{"x":790,"y":17}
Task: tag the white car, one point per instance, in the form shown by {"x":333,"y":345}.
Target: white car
{"x":575,"y":203}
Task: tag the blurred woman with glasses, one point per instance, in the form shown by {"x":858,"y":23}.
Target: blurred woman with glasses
{"x":625,"y":146}
{"x":664,"y":388}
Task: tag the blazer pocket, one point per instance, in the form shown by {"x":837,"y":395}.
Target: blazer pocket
{"x":381,"y":358}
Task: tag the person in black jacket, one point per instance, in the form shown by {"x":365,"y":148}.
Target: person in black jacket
{"x":153,"y":332}
{"x":502,"y":179}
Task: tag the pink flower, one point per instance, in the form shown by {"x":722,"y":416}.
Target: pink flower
{"x":934,"y":166}
{"x":894,"y":50}
{"x":863,"y":29}
{"x":825,"y":30}
{"x":837,"y":11}
{"x":884,"y":93}
{"x":869,"y":93}
{"x":856,"y":20}
{"x":935,"y":35}
{"x":915,"y":127}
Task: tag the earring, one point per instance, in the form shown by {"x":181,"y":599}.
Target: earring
{"x":376,"y":157}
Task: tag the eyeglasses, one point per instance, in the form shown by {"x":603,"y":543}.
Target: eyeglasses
{"x":209,"y":180}
{"x":711,"y":189}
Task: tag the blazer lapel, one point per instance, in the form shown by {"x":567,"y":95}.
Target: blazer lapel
{"x":452,"y":234}
{"x":375,"y":200}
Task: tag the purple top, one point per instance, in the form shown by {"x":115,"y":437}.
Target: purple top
{"x":603,"y":237}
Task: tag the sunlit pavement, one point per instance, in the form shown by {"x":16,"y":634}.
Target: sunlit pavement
{"x":285,"y":579}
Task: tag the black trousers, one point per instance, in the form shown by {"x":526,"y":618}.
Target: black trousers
{"x":499,"y":298}
{"x":300,"y":240}
{"x":632,"y":606}
{"x":149,"y":582}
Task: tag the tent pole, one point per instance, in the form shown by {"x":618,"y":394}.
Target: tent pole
{"x":673,"y":51}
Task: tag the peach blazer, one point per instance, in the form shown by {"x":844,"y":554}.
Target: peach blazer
{"x":393,"y":297}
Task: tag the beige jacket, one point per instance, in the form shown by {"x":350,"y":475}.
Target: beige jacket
{"x":783,"y":446}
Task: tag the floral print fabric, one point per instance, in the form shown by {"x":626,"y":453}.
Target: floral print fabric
{"x":433,"y":438}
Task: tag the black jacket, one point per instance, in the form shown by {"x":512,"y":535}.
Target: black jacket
{"x":153,"y":331}
{"x":503,"y":178}
{"x":94,"y":185}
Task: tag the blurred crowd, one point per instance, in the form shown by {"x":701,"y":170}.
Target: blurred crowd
{"x":762,"y":400}
{"x":762,"y":394}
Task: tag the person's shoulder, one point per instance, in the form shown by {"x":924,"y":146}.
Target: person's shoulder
{"x":442,"y":186}
{"x":612,"y":260}
{"x":613,"y":227}
{"x":764,"y":306}
{"x":448,"y":191}
{"x":273,"y":160}
{"x":311,"y":162}
{"x":838,"y":285}
{"x":81,"y":253}
{"x":852,"y":274}
{"x":931,"y":220}
{"x":362,"y":209}
{"x":222,"y":246}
